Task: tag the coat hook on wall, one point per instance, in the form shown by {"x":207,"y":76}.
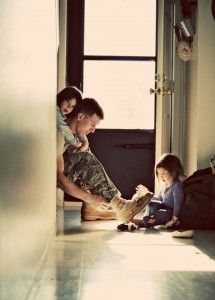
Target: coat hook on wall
{"x":184,"y":30}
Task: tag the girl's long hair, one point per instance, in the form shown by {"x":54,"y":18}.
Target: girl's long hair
{"x":68,"y":93}
{"x":172,"y":164}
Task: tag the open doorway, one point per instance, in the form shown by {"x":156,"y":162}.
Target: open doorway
{"x":112,"y":58}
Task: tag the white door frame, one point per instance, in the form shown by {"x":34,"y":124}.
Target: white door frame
{"x":163,"y":103}
{"x":170,"y":109}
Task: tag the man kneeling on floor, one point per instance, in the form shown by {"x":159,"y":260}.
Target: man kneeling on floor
{"x":81,"y":175}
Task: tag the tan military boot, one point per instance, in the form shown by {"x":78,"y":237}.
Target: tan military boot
{"x":126,"y":209}
{"x":91,"y":213}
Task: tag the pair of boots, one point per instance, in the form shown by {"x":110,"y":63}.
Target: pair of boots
{"x":121,"y":209}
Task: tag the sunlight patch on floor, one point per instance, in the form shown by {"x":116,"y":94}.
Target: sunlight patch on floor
{"x":173,"y":254}
{"x":118,"y":289}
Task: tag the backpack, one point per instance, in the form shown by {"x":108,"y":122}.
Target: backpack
{"x":198,"y":210}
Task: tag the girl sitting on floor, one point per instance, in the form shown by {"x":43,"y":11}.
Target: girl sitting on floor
{"x":165,"y":208}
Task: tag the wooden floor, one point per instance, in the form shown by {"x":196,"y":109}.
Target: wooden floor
{"x":93,"y":261}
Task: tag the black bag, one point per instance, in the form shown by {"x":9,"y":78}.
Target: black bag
{"x":198,"y":210}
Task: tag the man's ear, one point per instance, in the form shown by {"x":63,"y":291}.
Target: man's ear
{"x":81,"y":116}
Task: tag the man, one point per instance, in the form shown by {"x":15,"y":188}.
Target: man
{"x":83,"y":176}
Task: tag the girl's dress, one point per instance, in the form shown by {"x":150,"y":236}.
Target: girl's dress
{"x":162,"y":208}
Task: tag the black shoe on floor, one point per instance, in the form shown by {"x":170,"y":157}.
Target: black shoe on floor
{"x":127,"y":227}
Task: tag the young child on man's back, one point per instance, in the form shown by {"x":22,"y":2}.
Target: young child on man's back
{"x":67,"y":100}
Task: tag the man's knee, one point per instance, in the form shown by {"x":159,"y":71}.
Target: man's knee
{"x":88,"y":155}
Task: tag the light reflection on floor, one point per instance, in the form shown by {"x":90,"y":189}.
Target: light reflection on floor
{"x":91,"y":260}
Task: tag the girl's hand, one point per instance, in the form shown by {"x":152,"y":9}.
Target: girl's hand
{"x":83,"y":148}
{"x":173,"y":222}
{"x":77,"y":147}
{"x":141,"y":190}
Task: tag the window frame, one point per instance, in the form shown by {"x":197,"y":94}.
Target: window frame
{"x":75,"y":55}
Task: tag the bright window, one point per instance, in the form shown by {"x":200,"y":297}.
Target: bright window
{"x":123,"y":90}
{"x":119,"y":60}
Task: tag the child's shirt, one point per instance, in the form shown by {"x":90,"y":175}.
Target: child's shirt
{"x":64,"y":128}
{"x":172,"y":197}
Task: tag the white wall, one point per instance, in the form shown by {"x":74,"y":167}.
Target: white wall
{"x":27,"y":140}
{"x":62,"y":44}
{"x":200,"y":141}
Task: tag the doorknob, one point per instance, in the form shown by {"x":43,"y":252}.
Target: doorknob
{"x":167,"y":91}
{"x":167,"y":86}
{"x":158,"y":91}
{"x":155,"y":91}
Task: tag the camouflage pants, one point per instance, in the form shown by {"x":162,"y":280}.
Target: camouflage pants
{"x":87,"y":172}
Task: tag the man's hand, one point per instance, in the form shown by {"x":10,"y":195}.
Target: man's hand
{"x":97,"y":201}
{"x":72,"y":189}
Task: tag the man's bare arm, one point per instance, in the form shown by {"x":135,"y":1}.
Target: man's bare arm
{"x":72,"y":189}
